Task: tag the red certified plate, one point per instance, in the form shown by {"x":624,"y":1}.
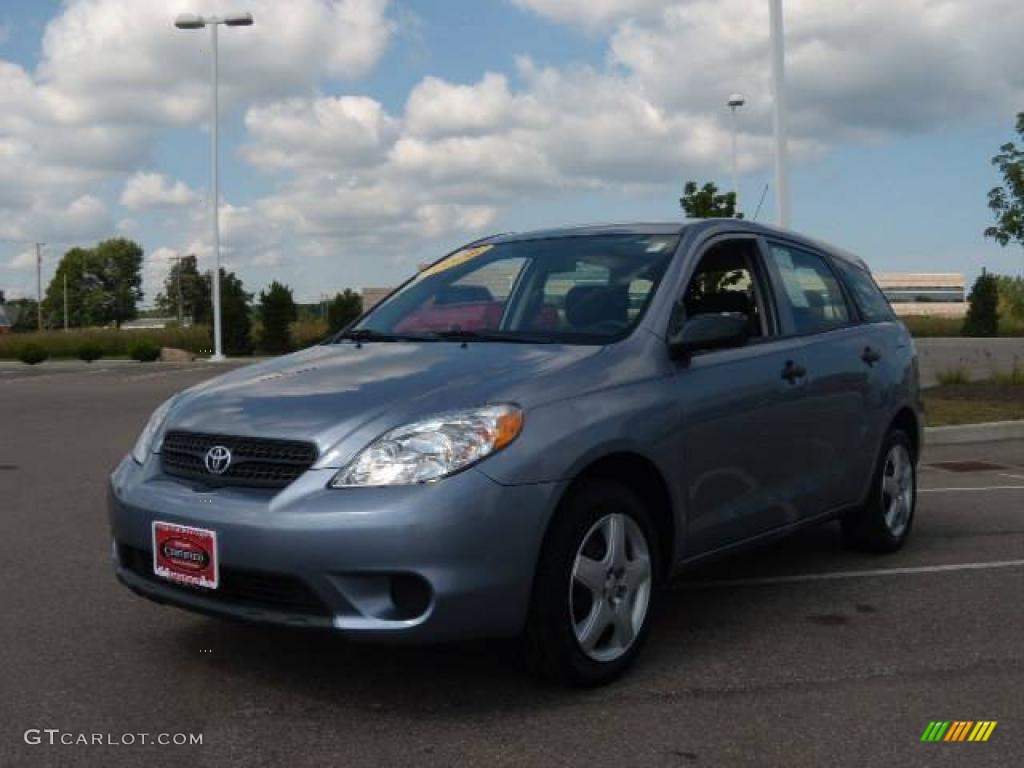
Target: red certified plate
{"x":185,"y":555}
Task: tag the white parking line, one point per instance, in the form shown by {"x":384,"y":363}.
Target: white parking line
{"x":838,"y":575}
{"x":977,"y":488}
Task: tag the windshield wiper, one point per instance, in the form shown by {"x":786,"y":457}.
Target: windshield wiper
{"x":365,"y":334}
{"x":508,"y":337}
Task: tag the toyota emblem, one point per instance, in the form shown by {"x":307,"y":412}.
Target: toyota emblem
{"x":217,"y":460}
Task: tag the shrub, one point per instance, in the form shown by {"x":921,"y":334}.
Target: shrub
{"x":306,"y":333}
{"x":983,"y":307}
{"x":114,"y":343}
{"x":32,"y":354}
{"x":958,"y":375}
{"x":144,"y":351}
{"x":90,"y":350}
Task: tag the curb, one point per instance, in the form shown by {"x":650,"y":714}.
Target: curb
{"x":987,"y":432}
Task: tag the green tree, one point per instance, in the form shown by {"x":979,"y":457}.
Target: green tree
{"x":343,"y":309}
{"x":236,"y":325}
{"x":277,"y":313}
{"x":22,"y":315}
{"x":104,"y":285}
{"x":1011,"y":296}
{"x":706,"y":202}
{"x":983,"y":307}
{"x":1007,"y":200}
{"x":184,"y":276}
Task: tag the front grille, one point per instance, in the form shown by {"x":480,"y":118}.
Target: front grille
{"x":256,"y":462}
{"x":257,"y":589}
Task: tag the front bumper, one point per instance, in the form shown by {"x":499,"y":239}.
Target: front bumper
{"x":312,"y":556}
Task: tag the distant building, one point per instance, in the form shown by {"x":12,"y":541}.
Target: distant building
{"x":148,"y":323}
{"x":925,"y":293}
{"x":5,"y":323}
{"x":372,"y":297}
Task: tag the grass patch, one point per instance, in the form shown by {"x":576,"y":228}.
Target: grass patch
{"x":924,"y":326}
{"x":974,"y":403}
{"x":1013,"y":378}
{"x":951,"y":376}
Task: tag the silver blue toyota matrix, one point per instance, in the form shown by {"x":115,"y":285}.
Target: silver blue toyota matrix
{"x":529,"y":437}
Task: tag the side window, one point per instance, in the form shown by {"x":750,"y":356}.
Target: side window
{"x":724,"y":282}
{"x":814,"y":293}
{"x":871,"y":302}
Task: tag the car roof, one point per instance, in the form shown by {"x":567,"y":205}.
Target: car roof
{"x":699,"y":226}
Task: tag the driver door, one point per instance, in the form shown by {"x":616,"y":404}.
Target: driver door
{"x":741,"y":452}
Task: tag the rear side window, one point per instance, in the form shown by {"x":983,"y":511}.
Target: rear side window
{"x":814,"y":293}
{"x":871,"y":302}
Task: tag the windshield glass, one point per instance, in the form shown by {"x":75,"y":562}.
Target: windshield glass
{"x":575,"y":290}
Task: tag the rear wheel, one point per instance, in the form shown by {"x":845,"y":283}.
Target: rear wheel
{"x":883,"y":524}
{"x":594,"y":590}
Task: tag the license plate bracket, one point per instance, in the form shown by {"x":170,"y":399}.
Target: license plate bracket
{"x":186,"y":555}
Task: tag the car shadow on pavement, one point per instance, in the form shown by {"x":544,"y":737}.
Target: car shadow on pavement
{"x":447,"y":681}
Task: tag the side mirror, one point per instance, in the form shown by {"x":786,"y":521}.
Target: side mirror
{"x":711,"y":331}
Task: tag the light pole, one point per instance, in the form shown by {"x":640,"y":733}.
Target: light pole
{"x":39,"y":286}
{"x":193,"y":21}
{"x":735,"y":102}
{"x":779,"y":93}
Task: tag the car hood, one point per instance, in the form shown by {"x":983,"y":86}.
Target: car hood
{"x":331,"y":392}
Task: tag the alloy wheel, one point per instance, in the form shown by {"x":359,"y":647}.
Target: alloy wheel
{"x":610,"y":588}
{"x":897,"y":489}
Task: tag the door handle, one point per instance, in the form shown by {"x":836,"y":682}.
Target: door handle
{"x":871,"y":356}
{"x":793,"y":371}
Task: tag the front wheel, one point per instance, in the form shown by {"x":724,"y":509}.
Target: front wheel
{"x":594,"y":590}
{"x":883,"y":524}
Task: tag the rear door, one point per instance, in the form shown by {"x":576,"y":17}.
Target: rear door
{"x":740,"y":456}
{"x":884,"y":359}
{"x":834,"y":411}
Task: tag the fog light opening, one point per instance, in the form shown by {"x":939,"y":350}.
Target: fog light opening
{"x":411,"y":595}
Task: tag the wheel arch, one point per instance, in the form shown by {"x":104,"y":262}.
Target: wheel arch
{"x":641,"y":475}
{"x":907,"y":421}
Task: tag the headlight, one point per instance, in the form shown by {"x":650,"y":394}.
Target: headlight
{"x":144,"y":445}
{"x":433,"y":448}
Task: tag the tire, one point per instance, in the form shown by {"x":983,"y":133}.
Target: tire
{"x":620,"y":598}
{"x":884,"y":522}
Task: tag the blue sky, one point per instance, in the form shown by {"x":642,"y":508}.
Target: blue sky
{"x":346,"y":164}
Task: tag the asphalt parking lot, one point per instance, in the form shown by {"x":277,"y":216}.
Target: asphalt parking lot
{"x":801,"y":654}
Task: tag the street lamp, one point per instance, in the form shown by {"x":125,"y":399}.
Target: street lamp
{"x":779,"y":93}
{"x":736,"y":101}
{"x":194,"y":21}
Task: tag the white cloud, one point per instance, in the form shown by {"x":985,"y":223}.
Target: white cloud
{"x":154,"y":190}
{"x":591,"y":13}
{"x":112,"y":73}
{"x":300,"y":132}
{"x":23,"y":261}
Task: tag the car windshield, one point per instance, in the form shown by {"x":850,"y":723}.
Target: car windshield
{"x":573,"y":290}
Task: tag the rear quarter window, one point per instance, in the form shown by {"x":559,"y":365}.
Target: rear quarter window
{"x":870,"y":300}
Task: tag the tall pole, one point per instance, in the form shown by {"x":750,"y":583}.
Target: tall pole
{"x":65,"y":300}
{"x":39,"y":287}
{"x":779,"y":93}
{"x":735,"y":164}
{"x":218,"y":351}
